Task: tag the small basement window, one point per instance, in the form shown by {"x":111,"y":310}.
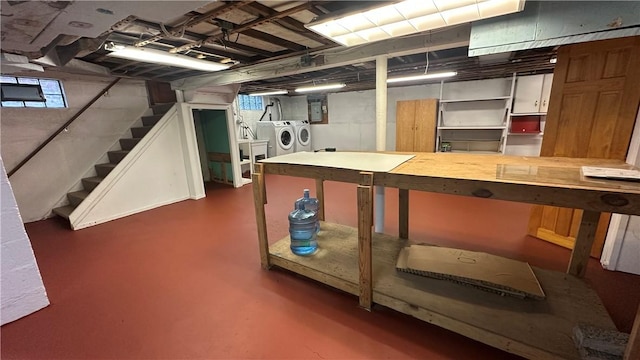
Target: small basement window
{"x":248,"y":102}
{"x":31,"y":92}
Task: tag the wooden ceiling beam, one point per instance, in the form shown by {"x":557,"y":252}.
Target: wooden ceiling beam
{"x":261,"y":53}
{"x":287,"y":22}
{"x":124,"y":65}
{"x":243,"y":27}
{"x":331,"y":58}
{"x":213,"y":51}
{"x":148,"y":70}
{"x":361,"y":79}
{"x":175,"y":72}
{"x":175,"y":31}
{"x":274,"y":40}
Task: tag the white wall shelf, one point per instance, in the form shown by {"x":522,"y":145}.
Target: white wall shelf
{"x":477,"y":116}
{"x":527,"y":114}
{"x":497,"y":98}
{"x":251,"y":151}
{"x":526,"y":134}
{"x":488,"y":127}
{"x":471,"y":123}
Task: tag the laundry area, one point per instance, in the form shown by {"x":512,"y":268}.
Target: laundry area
{"x":320,"y":179}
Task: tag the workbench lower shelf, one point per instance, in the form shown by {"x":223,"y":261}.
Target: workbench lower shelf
{"x":540,"y":329}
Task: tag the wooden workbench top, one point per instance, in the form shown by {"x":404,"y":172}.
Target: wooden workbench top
{"x":554,"y":171}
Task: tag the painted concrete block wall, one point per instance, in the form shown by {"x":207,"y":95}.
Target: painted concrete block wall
{"x":352,"y":114}
{"x":352,"y":123}
{"x":249,"y":118}
{"x":42,"y":183}
{"x":293,"y":108}
{"x":21,"y":289}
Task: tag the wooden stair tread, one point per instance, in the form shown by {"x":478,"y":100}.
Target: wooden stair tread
{"x":115,"y":156}
{"x":107,"y":165}
{"x":95,"y":179}
{"x":151,"y":119}
{"x":129,"y":143}
{"x":79,"y":194}
{"x":64,"y":211}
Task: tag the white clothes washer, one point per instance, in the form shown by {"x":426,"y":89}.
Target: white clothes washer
{"x":302,"y":131}
{"x":279,"y":134}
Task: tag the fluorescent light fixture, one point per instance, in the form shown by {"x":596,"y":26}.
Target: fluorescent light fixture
{"x":408,"y":17}
{"x":422,"y":77}
{"x":320,"y":87}
{"x":271,"y":92}
{"x":162,"y":57}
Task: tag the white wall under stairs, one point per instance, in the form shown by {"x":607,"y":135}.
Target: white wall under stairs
{"x":153,"y":174}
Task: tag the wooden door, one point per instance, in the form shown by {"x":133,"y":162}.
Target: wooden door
{"x":160,"y":93}
{"x":405,"y":123}
{"x":594,"y":100}
{"x":416,"y":125}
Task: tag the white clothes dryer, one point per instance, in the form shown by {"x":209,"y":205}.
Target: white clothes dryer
{"x":302,"y":131}
{"x":279,"y":134}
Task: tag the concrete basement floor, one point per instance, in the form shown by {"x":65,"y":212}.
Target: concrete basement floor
{"x":184,"y":281}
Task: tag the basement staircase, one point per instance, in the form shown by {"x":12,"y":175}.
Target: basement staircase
{"x":115,"y":157}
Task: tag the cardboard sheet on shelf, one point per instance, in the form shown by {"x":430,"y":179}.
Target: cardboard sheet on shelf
{"x":364,"y":161}
{"x":485,"y":271}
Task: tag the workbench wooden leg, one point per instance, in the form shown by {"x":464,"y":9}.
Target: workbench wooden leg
{"x":320,"y":197}
{"x":633,"y":347}
{"x":365,"y":224}
{"x":259,"y":199}
{"x":584,"y":242}
{"x":403,"y":213}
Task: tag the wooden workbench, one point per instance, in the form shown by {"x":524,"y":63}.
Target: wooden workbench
{"x":362,"y":263}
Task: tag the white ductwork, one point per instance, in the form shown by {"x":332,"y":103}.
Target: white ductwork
{"x":12,"y":63}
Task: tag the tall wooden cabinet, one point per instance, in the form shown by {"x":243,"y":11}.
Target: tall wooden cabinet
{"x":416,"y":125}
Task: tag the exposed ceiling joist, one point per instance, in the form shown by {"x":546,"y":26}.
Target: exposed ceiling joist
{"x":205,"y":50}
{"x":287,"y":22}
{"x":190,"y":37}
{"x":451,"y":38}
{"x":173,"y":73}
{"x":274,"y":47}
{"x":273,"y":39}
{"x":195,"y":21}
{"x":244,"y":27}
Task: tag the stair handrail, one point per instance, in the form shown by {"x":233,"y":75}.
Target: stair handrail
{"x":61,"y":129}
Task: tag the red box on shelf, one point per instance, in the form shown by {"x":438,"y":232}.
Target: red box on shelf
{"x":525,"y":124}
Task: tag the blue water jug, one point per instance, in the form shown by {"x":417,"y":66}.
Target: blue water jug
{"x":302,"y":230}
{"x":309,"y":204}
